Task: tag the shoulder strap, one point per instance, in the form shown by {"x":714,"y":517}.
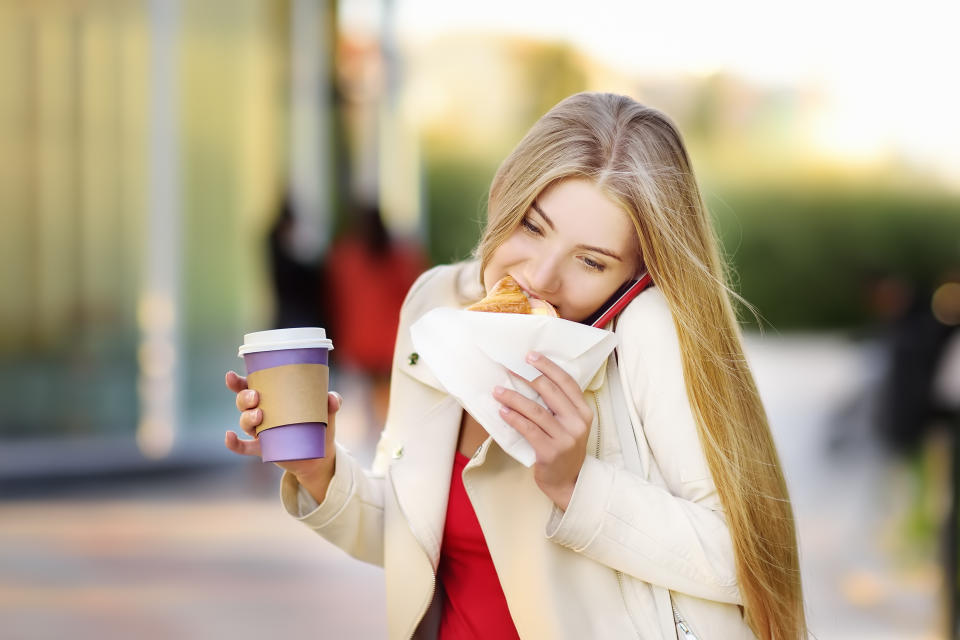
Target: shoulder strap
{"x":621,"y":417}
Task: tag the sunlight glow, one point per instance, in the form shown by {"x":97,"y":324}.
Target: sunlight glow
{"x":886,"y":73}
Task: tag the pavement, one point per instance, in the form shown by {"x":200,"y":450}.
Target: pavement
{"x":863,"y":577}
{"x":207,"y":552}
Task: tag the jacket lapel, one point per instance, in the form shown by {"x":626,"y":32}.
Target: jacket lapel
{"x":413,"y":367}
{"x":423,"y":459}
{"x":420,"y":474}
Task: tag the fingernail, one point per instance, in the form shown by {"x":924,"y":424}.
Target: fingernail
{"x":498,"y":390}
{"x":504,"y":410}
{"x":251,"y":396}
{"x":533,"y":356}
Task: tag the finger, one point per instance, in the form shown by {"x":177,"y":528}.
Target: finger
{"x":235,"y":382}
{"x":555,"y":374}
{"x":555,"y":399}
{"x":247,"y":399}
{"x":334,"y":402}
{"x":242,"y":447}
{"x":560,"y":383}
{"x":250,"y":420}
{"x":572,"y":413}
{"x":529,"y":410}
{"x":531,"y":432}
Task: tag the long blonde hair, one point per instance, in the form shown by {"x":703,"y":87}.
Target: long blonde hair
{"x":636,"y":156}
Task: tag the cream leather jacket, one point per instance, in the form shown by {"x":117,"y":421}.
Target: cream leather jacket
{"x":583,"y":573}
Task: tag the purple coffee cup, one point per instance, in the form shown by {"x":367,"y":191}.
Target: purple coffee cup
{"x":289,"y":369}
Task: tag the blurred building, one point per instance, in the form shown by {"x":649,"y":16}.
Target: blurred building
{"x":146,"y":146}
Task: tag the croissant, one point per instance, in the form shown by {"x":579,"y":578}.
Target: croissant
{"x":507,"y":297}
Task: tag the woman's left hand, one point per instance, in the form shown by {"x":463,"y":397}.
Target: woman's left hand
{"x":558,"y":435}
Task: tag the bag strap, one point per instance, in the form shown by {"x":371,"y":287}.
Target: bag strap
{"x":627,"y":435}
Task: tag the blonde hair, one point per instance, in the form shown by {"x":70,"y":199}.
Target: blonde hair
{"x":636,"y":156}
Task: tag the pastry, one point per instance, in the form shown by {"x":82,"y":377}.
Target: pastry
{"x":507,"y":297}
{"x":540,"y":307}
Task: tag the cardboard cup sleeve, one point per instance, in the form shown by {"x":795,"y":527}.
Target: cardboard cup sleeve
{"x":291,"y":394}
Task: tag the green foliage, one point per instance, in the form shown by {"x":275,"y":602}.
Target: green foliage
{"x":553,"y":72}
{"x":457,"y":190}
{"x":804,"y":257}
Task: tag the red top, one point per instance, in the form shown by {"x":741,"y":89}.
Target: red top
{"x":473,"y":602}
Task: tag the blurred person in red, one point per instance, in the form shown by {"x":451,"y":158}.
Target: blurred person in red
{"x":367,"y":275}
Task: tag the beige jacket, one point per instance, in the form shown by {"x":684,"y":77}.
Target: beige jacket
{"x":583,"y":573}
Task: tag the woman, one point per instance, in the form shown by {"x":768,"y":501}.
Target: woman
{"x":600,"y":189}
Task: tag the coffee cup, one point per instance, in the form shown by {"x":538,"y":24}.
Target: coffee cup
{"x":289,"y":368}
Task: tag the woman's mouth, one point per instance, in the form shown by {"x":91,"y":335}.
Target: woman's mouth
{"x":546,"y":305}
{"x":526,"y":291}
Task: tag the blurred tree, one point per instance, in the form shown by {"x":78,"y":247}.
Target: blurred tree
{"x":456,"y":202}
{"x":552,"y":72}
{"x":801,"y":254}
{"x":485,"y":114}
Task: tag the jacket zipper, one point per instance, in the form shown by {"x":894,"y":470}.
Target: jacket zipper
{"x":682,"y":627}
{"x":619,"y":574}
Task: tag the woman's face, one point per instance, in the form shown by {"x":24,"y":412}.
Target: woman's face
{"x":573,"y":249}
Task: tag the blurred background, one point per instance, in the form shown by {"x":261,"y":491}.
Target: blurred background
{"x":174,"y":174}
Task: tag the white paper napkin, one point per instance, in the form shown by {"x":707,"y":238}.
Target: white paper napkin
{"x":470,"y":352}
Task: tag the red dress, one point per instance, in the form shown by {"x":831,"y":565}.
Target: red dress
{"x":473,"y":602}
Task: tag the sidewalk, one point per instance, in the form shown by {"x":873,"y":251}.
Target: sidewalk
{"x":192,"y":556}
{"x":859,"y":584}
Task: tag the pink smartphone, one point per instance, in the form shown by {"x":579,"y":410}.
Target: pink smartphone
{"x":620,"y":299}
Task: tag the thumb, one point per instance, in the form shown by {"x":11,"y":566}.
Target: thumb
{"x":334,"y":403}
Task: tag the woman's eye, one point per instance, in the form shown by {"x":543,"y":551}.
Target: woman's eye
{"x":592,"y":264}
{"x":529,"y":226}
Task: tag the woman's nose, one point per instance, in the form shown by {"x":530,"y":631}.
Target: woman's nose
{"x":544,"y":276}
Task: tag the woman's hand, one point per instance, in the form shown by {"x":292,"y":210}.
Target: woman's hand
{"x":559,"y":434}
{"x":314,"y":474}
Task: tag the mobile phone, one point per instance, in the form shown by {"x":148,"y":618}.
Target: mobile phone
{"x":620,"y":299}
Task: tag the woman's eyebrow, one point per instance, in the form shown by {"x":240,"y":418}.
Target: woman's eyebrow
{"x":537,"y":208}
{"x":587,"y":247}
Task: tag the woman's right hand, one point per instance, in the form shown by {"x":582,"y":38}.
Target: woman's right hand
{"x":314,"y":474}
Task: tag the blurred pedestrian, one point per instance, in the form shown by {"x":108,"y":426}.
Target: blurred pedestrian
{"x":367,"y":274}
{"x":916,"y":342}
{"x":296,"y":281}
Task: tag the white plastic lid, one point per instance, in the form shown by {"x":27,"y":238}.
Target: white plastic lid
{"x":279,"y":339}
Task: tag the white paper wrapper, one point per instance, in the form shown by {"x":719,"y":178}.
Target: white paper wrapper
{"x":470,"y":352}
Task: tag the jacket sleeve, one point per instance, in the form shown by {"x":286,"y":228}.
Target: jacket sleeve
{"x":670,"y":529}
{"x":351,"y":514}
